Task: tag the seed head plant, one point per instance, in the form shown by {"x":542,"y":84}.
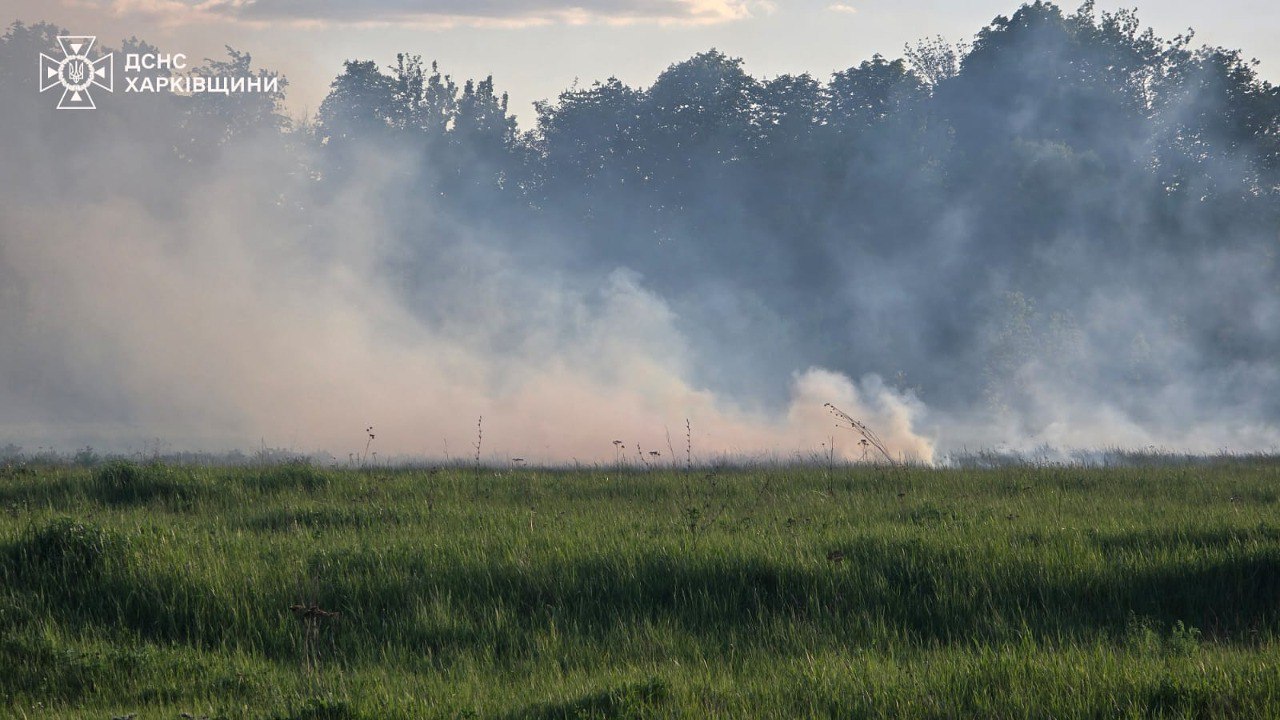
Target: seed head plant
{"x":868,"y":439}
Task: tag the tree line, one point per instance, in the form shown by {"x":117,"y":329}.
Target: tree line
{"x":948,"y":216}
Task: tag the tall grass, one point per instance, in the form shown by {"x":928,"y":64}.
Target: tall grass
{"x":775,"y":591}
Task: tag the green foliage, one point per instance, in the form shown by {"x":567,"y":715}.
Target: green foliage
{"x":123,"y":481}
{"x":286,"y":476}
{"x":322,"y":709}
{"x":1144,"y":636}
{"x":118,"y":475}
{"x":65,"y":549}
{"x":801,"y":592}
{"x":634,"y":700}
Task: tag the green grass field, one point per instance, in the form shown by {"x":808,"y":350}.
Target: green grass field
{"x":766,"y":592}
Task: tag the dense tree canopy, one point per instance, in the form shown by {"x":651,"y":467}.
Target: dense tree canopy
{"x":912,"y":215}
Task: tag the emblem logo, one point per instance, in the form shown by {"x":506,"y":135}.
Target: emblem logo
{"x":75,"y":72}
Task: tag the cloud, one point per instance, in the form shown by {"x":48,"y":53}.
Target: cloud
{"x":842,"y":8}
{"x":435,"y":13}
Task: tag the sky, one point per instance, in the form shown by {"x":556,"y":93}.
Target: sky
{"x":537,"y":48}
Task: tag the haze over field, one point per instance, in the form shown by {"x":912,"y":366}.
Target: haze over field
{"x":1064,"y":232}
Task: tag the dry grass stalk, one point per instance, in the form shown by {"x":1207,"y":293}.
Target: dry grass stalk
{"x":869,"y":438}
{"x":312,"y":617}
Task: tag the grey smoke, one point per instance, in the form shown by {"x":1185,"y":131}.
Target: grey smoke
{"x":975,"y":264}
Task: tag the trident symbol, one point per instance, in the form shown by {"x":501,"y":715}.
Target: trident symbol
{"x":75,"y":71}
